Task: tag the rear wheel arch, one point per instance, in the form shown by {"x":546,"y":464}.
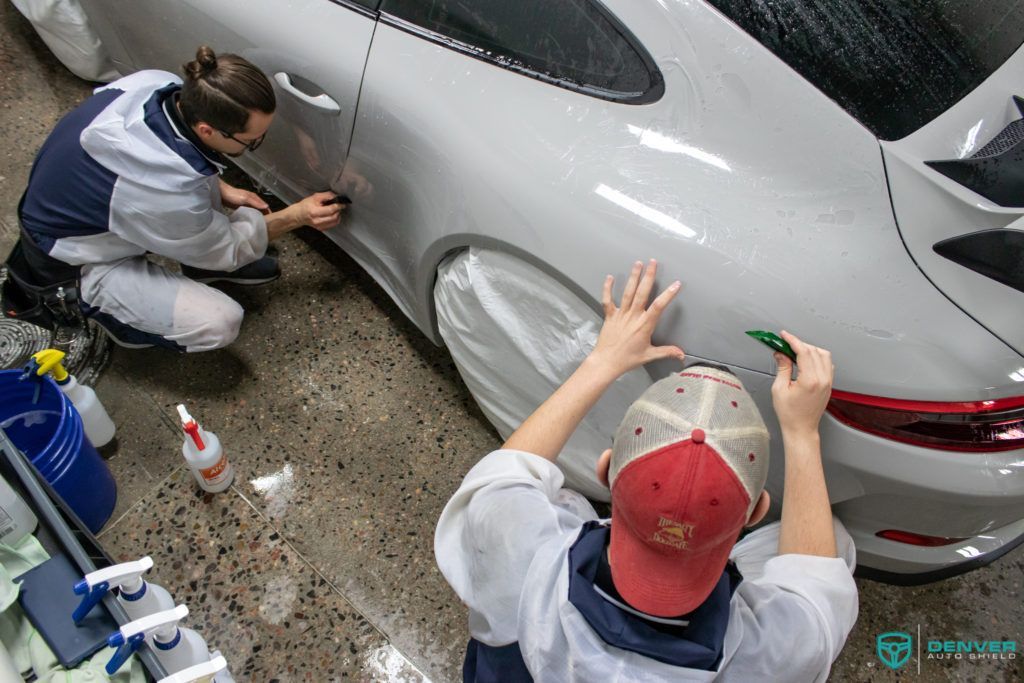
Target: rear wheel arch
{"x":451,"y":245}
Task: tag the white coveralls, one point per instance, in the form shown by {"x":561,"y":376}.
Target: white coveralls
{"x":503,"y":543}
{"x":118,"y":177}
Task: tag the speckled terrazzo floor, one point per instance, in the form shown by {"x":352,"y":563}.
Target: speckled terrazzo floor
{"x":348,"y":431}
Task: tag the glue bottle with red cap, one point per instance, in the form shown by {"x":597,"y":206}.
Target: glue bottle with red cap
{"x":204,"y":455}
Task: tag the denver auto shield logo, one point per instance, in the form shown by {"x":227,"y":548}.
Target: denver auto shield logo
{"x":893,"y":648}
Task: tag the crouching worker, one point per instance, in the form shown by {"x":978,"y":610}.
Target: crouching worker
{"x":135,"y":169}
{"x":662,"y":592}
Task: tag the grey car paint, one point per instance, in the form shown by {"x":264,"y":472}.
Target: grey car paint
{"x":767,"y":201}
{"x":763,"y":196}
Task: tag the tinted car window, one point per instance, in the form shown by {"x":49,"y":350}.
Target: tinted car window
{"x":572,"y":42}
{"x":893,"y":64}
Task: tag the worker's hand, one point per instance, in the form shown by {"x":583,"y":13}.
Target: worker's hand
{"x":314,"y":211}
{"x":800,"y":404}
{"x":234,"y":197}
{"x":625,"y":339}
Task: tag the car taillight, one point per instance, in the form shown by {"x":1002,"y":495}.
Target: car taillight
{"x":994,"y":425}
{"x":916,"y":539}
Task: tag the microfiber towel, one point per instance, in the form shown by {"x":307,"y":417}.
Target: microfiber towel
{"x":15,"y":629}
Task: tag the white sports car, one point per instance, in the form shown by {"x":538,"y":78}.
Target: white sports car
{"x":850,"y":171}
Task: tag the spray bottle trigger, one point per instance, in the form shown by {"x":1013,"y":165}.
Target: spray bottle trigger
{"x":130,"y":637}
{"x":49,"y":361}
{"x":191,"y":427}
{"x":126,"y":647}
{"x":90,"y":598}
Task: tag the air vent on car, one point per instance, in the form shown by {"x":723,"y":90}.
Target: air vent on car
{"x":996,"y":171}
{"x":998,"y":254}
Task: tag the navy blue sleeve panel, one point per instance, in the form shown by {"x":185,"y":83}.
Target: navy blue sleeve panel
{"x":68,"y":192}
{"x":486,"y":664}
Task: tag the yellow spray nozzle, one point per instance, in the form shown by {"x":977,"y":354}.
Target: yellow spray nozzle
{"x":49,"y":360}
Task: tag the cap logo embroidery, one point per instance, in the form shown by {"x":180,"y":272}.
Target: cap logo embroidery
{"x":673,"y":534}
{"x":699,"y":375}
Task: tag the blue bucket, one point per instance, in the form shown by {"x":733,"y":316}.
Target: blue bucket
{"x":50,"y":434}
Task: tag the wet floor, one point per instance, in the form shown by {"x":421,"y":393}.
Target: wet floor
{"x":348,"y":431}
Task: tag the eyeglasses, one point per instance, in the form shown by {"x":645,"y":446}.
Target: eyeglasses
{"x":250,"y":146}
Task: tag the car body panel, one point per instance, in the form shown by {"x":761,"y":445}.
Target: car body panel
{"x":875,"y":484}
{"x":765,"y":198}
{"x":770,"y":229}
{"x":931,"y":207}
{"x":307,"y":144}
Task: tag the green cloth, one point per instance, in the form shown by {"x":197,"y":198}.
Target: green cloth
{"x":15,"y":629}
{"x":45,"y":665}
{"x":26,"y":647}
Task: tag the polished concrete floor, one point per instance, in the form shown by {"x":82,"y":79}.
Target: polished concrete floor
{"x":348,"y":430}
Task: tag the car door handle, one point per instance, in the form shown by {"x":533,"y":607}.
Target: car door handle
{"x":322,"y":101}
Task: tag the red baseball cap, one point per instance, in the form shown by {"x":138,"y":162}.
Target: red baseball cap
{"x":689,"y":461}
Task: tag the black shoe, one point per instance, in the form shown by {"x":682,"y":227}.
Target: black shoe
{"x":258,"y":272}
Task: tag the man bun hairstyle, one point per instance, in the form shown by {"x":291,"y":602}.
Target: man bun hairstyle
{"x":221,"y":91}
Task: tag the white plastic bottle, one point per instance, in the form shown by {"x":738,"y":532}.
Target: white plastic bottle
{"x":16,"y":518}
{"x":175,"y":646}
{"x":200,"y":673}
{"x":138,"y":597}
{"x":204,"y":455}
{"x":99,"y":428}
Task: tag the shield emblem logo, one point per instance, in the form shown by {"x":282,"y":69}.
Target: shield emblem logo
{"x":894,"y":648}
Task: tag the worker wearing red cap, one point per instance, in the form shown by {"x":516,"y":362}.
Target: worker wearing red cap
{"x":662,"y":591}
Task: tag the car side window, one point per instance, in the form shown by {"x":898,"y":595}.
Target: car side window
{"x":575,"y":44}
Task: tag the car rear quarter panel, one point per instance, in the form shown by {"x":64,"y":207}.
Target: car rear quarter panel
{"x":765,"y":198}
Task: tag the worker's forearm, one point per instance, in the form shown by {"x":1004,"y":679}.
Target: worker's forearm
{"x":548,"y":429}
{"x":280,"y":223}
{"x":806,"y":513}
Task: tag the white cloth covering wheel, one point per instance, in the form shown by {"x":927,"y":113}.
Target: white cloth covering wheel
{"x":65,"y":29}
{"x":516,"y":334}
